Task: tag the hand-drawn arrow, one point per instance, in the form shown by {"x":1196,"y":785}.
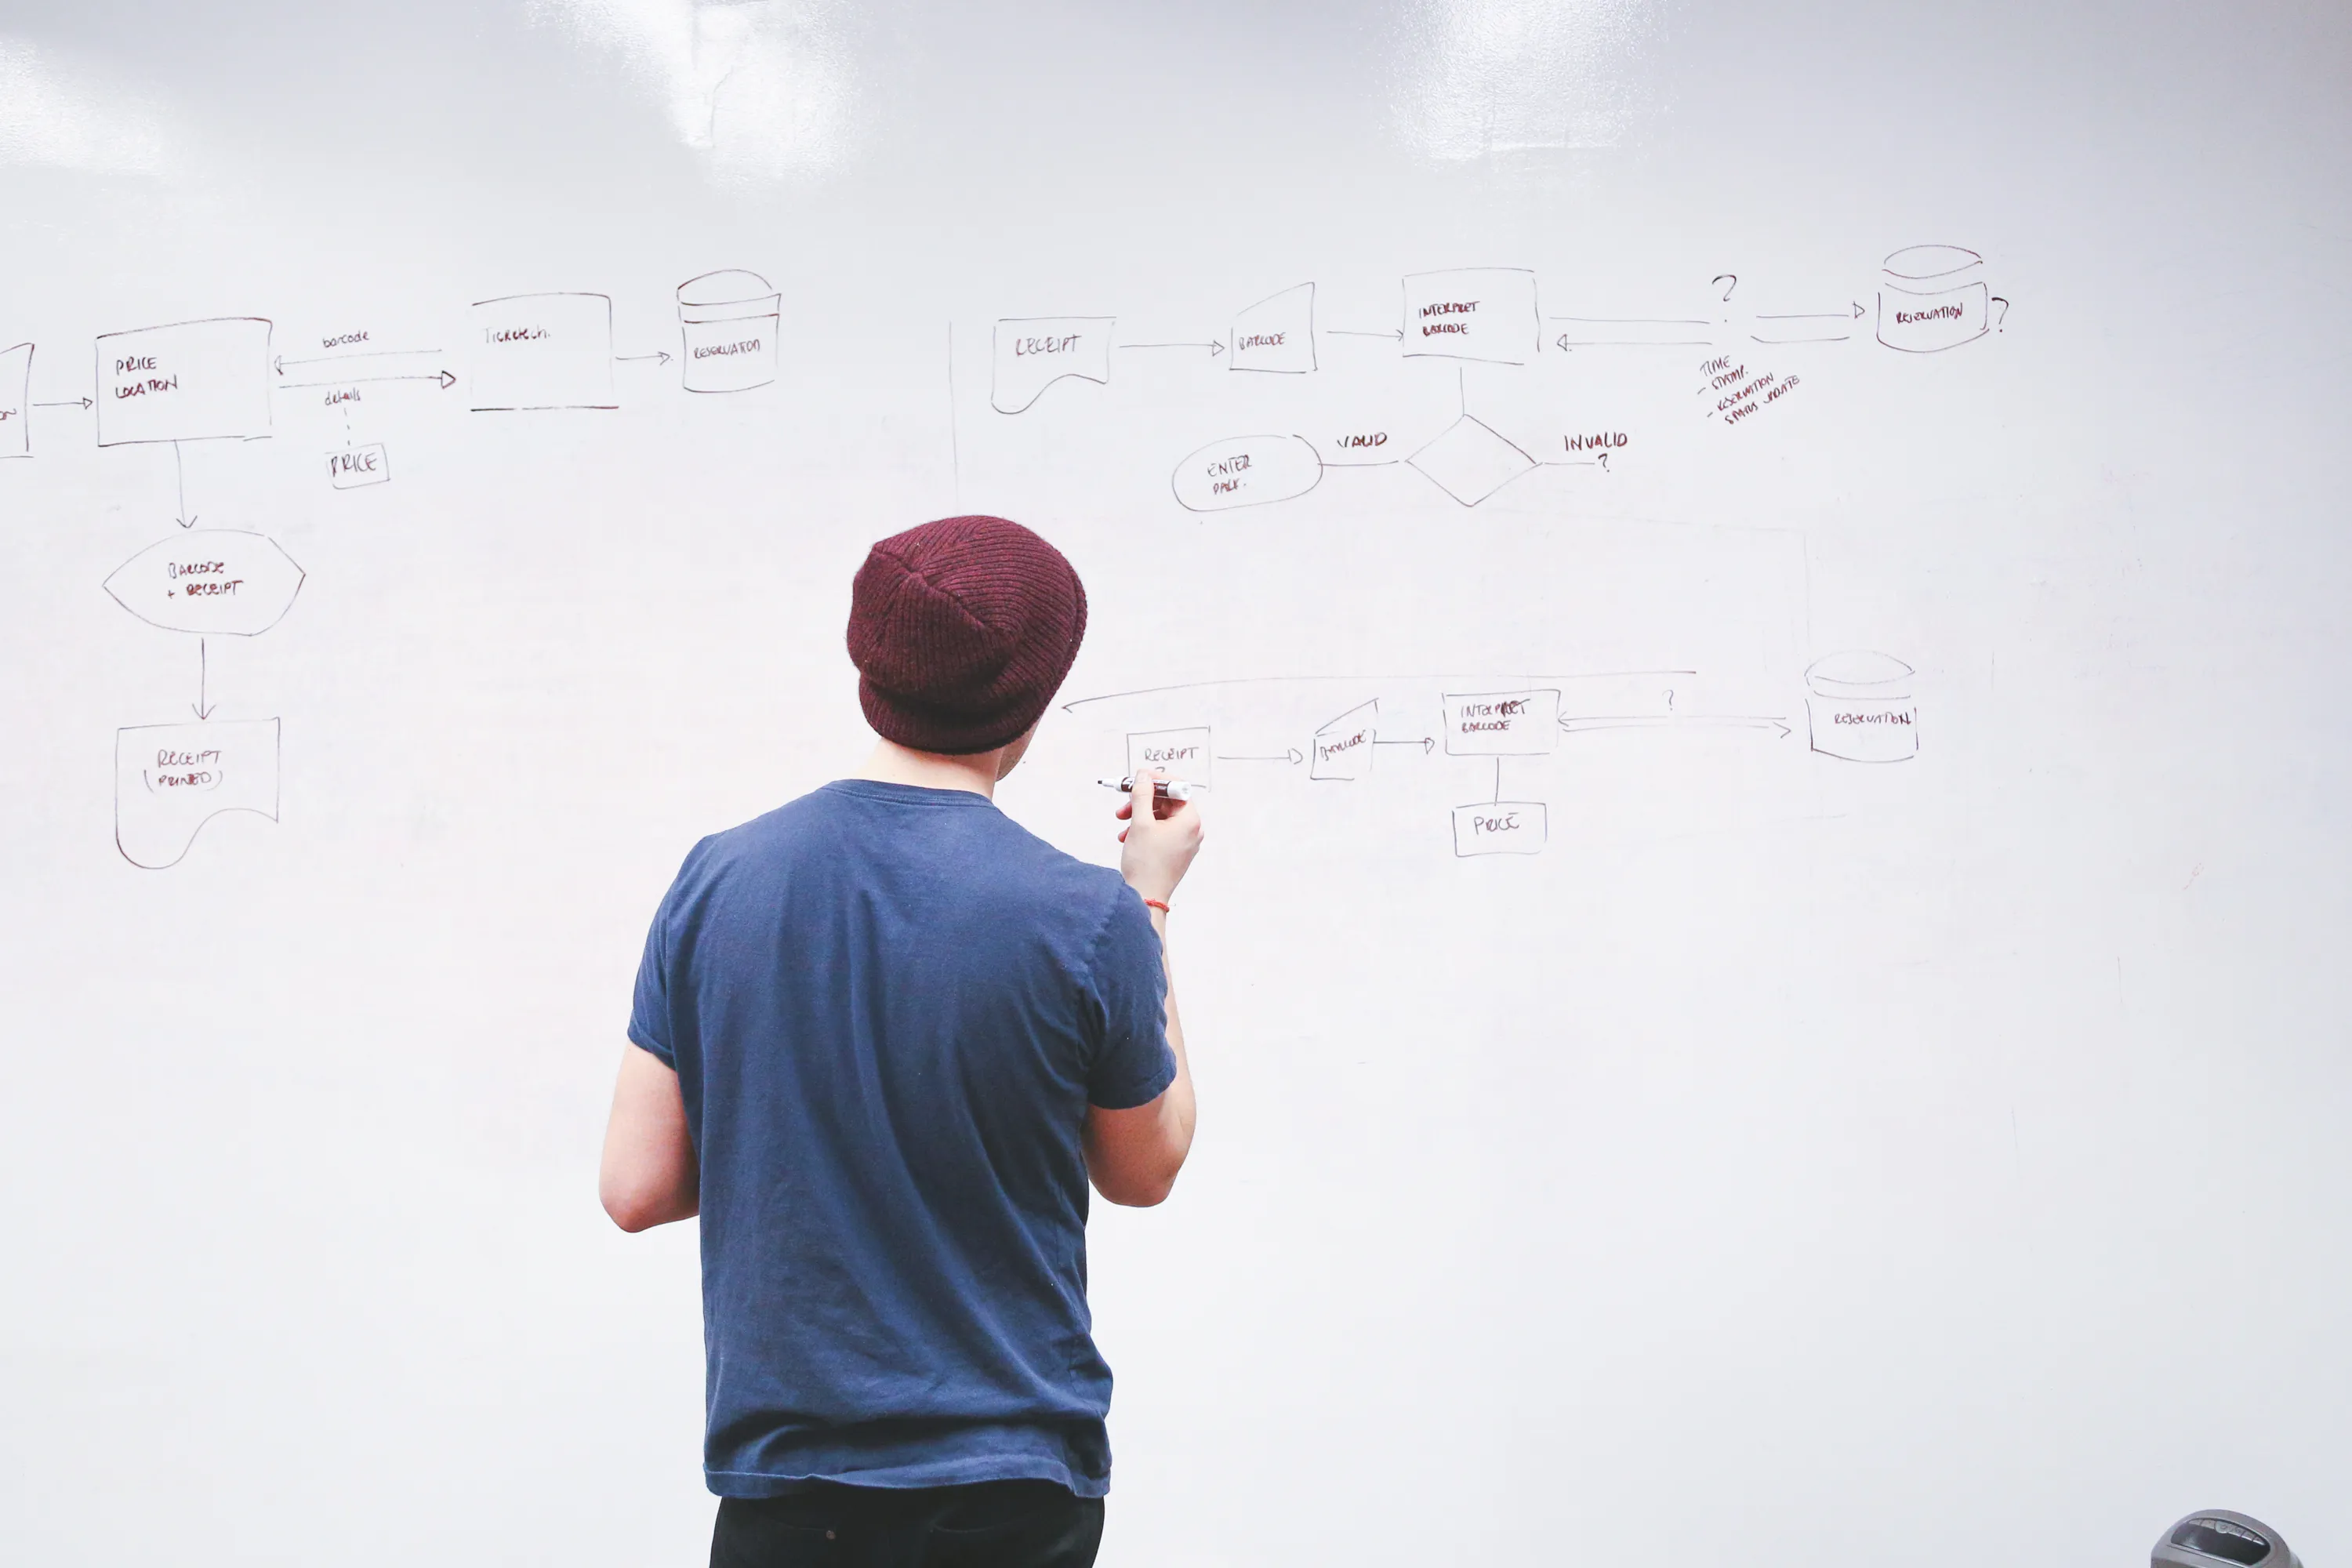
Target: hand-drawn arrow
{"x":1427,"y":743}
{"x":1662,"y":721}
{"x":1818,"y":315}
{"x":68,"y":403}
{"x":1213,"y":349}
{"x":1398,"y":335}
{"x":180,"y":479}
{"x":1622,"y":333}
{"x":280,"y":361}
{"x":627,"y":359}
{"x":1293,"y":756}
{"x":442,"y":376}
{"x":203,"y":708}
{"x":1838,"y":316}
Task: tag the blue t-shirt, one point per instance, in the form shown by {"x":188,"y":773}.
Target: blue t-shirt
{"x":889,"y":1008}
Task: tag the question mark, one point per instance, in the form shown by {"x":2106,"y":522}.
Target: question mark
{"x":1604,"y":461}
{"x":1670,"y":701}
{"x":1997,"y":321}
{"x":1729,"y":280}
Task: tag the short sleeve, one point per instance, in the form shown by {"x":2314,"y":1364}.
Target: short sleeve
{"x":1132,"y":1063}
{"x":649,"y":1015}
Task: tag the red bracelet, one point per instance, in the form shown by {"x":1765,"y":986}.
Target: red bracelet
{"x":1156,"y":904}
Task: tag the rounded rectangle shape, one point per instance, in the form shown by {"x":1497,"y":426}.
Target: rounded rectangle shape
{"x":190,"y":381}
{"x":1247,"y":470}
{"x":1473,"y":313}
{"x":1501,"y":723}
{"x":1499,"y":827}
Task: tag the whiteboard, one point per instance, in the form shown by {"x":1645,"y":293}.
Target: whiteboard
{"x":1758,"y":591}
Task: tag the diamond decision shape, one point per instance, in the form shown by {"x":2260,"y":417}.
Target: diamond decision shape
{"x":1470,"y":462}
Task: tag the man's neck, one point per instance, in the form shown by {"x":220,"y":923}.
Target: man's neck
{"x":890,"y":762}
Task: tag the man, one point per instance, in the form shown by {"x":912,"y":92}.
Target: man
{"x":882,"y":1039}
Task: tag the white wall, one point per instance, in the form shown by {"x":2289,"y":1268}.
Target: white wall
{"x":1796,"y":1159}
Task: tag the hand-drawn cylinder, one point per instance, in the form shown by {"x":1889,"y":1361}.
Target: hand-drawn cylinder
{"x":1860,"y":708}
{"x":1932,"y":298}
{"x":730,"y":321}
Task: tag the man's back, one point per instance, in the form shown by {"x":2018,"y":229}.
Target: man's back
{"x":883,"y":1041}
{"x":889,"y":1008}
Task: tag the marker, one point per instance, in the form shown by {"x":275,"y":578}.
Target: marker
{"x":1165,"y":789}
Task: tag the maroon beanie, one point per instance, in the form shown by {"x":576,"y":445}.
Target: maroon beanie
{"x":961,"y":631}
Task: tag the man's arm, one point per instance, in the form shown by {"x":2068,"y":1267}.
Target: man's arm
{"x":1133,"y":1156}
{"x":648,"y":1176}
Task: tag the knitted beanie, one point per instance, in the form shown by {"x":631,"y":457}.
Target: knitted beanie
{"x":961,"y":631}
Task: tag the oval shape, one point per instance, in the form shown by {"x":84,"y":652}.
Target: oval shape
{"x":728,"y":286}
{"x":1858,"y":672}
{"x":1247,"y":470}
{"x":1918,"y":263}
{"x":221,"y":581}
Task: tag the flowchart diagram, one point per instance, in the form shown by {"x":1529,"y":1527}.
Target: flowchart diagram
{"x":1927,"y":299}
{"x":220,"y":380}
{"x":1494,"y":733}
{"x":226,"y":381}
{"x":171,"y":385}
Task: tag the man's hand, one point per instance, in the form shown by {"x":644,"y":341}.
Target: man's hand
{"x":1159,"y":843}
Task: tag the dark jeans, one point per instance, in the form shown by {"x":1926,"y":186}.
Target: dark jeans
{"x":995,"y":1524}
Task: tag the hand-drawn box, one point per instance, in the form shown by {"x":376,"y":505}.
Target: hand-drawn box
{"x":1501,"y":723}
{"x":1276,"y":334}
{"x":191,"y":380}
{"x":1922,"y":323}
{"x":543,"y":350}
{"x":15,"y":402}
{"x":1343,"y":748}
{"x":1178,"y":754}
{"x":1499,"y":827}
{"x":355,"y":467}
{"x":1473,"y":313}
